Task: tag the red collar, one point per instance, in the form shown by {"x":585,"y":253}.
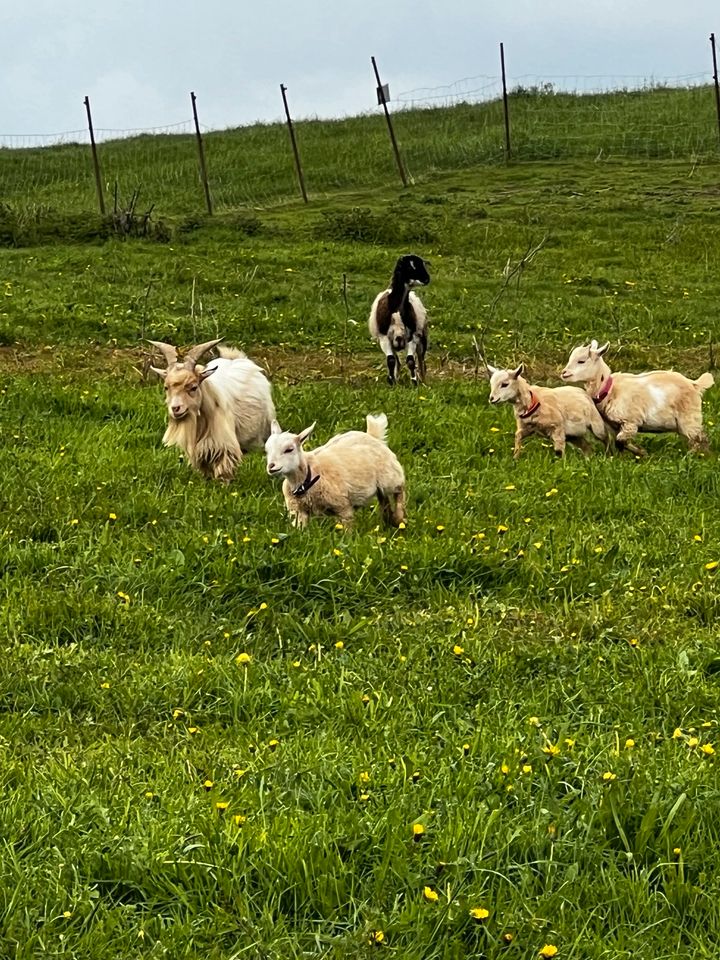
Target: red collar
{"x":607,"y":387}
{"x":534,"y":404}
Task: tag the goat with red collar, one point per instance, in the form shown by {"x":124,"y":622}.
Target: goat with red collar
{"x":560,"y":413}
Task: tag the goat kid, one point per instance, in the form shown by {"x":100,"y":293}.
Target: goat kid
{"x":659,"y":401}
{"x":398,"y":319}
{"x":559,"y":413}
{"x":216,"y":412}
{"x":349,"y":471}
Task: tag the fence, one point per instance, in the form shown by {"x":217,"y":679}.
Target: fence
{"x":592,"y":118}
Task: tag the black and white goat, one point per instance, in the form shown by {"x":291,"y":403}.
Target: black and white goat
{"x":398,"y":320}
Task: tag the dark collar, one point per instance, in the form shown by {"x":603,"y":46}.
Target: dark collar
{"x":302,"y":488}
{"x":607,"y":387}
{"x":532,"y":407}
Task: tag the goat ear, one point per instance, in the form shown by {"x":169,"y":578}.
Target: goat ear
{"x":207,"y":372}
{"x":159,"y":372}
{"x":516,"y":373}
{"x":275,"y":427}
{"x":593,"y":344}
{"x":602,"y":350}
{"x":490,"y":369}
{"x":302,"y":437}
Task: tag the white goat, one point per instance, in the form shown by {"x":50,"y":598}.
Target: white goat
{"x":217,"y":412}
{"x":347,"y":472}
{"x":659,"y":401}
{"x":398,"y":319}
{"x":559,"y":413}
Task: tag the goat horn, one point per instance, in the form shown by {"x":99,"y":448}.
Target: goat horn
{"x":194,"y":353}
{"x":167,"y":350}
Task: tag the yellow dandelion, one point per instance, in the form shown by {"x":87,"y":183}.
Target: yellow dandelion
{"x":274,"y":541}
{"x":502,"y":528}
{"x":105,"y":686}
{"x":629,"y":743}
{"x":432,"y":896}
{"x":713,"y":565}
{"x":552,"y":750}
{"x":208,"y":784}
{"x":504,"y":768}
{"x":239,"y":819}
{"x":569,"y":742}
{"x":221,"y":806}
{"x":337,"y":553}
{"x":693,"y":741}
{"x":458,"y":650}
{"x":439,"y":528}
{"x":708,"y":749}
{"x":418,"y":830}
{"x":697,"y":538}
{"x":113,"y":516}
{"x":403,"y":567}
{"x":677,"y":734}
{"x":365,"y":699}
{"x":193,"y":729}
{"x":508,"y":937}
{"x":239,"y":772}
{"x":377,"y":936}
{"x":510,"y":486}
{"x":364,"y":777}
{"x":177,"y":712}
{"x":548,"y":951}
{"x":364,"y":797}
{"x":466,"y":749}
{"x":243,"y":659}
{"x":479,"y":913}
{"x":273,"y":744}
{"x":552,"y":492}
{"x":527,"y":768}
{"x":74,"y":522}
{"x":149,"y":795}
{"x":401,"y":525}
{"x":609,"y":776}
{"x":534,"y":721}
{"x":339,"y":645}
{"x":677,"y":851}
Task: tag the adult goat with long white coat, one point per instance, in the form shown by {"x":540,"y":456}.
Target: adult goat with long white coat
{"x":215,"y":412}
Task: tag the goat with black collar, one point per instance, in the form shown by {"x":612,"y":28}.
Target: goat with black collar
{"x":398,"y":320}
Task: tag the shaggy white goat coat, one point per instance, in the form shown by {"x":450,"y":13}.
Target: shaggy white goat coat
{"x":559,"y":413}
{"x":659,"y":401}
{"x":347,"y":472}
{"x":226,"y":409}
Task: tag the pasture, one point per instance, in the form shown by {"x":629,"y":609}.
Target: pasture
{"x":489,"y":734}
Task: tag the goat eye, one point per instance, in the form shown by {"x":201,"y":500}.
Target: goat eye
{"x":581,"y":361}
{"x":289,"y":450}
{"x":193,"y":388}
{"x":506,"y":384}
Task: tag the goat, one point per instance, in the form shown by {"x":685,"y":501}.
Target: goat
{"x":659,"y":401}
{"x":216,"y":412}
{"x":560,"y":413}
{"x":398,"y":320}
{"x":347,"y":472}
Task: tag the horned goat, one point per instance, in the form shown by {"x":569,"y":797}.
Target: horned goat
{"x":659,"y":401}
{"x":216,"y":412}
{"x":398,"y":320}
{"x":347,"y":472}
{"x":559,"y":413}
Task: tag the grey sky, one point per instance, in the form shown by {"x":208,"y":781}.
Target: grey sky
{"x":138,"y":59}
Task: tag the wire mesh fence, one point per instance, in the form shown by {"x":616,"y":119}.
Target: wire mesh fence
{"x":592,"y":117}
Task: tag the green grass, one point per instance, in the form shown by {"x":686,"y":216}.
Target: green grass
{"x":479,"y":673}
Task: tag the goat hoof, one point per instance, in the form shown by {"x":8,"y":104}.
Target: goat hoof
{"x":391,"y":381}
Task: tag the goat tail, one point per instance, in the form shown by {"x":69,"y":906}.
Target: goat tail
{"x":704,"y":382}
{"x":231,"y":353}
{"x":377,"y":426}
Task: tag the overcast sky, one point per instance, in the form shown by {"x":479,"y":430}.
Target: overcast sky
{"x":138,"y":59}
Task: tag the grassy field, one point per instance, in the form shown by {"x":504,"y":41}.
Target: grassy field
{"x":487,"y":735}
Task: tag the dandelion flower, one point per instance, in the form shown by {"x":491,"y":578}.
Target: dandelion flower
{"x":208,"y":784}
{"x":502,"y":528}
{"x":708,"y":749}
{"x":609,"y":776}
{"x":273,"y":744}
{"x":221,"y":806}
{"x":629,"y":743}
{"x":569,"y":742}
{"x":243,"y":659}
{"x":401,"y":525}
{"x":339,"y":645}
{"x":458,"y":650}
{"x":439,"y":528}
{"x":466,"y":749}
{"x":239,"y":819}
{"x":548,"y":951}
{"x":365,"y":699}
{"x":552,"y":492}
{"x":418,"y":830}
{"x":527,"y":768}
{"x":508,"y":937}
{"x":377,"y":936}
{"x":713,"y":565}
{"x":193,"y":729}
{"x":693,"y":742}
{"x":504,"y":768}
{"x":105,"y":686}
{"x":534,"y":721}
{"x":479,"y":913}
{"x":113,"y":516}
{"x":697,"y":538}
{"x":552,"y":750}
{"x":677,"y":734}
{"x":510,"y":486}
{"x":677,"y":851}
{"x":432,"y":896}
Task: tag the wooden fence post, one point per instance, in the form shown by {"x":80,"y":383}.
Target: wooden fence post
{"x":296,"y":153}
{"x":201,"y":155}
{"x":715,"y":79}
{"x":506,"y":108}
{"x":383,"y":101}
{"x":96,"y":163}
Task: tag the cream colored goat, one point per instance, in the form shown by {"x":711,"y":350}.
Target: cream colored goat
{"x":659,"y":401}
{"x":559,"y":413}
{"x":215,"y":420}
{"x":347,"y":472}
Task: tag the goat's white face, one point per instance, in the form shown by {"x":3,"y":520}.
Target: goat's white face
{"x":584,"y":363}
{"x":284,"y":450}
{"x":397,"y":333}
{"x":504,"y":384}
{"x":183,"y":392}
